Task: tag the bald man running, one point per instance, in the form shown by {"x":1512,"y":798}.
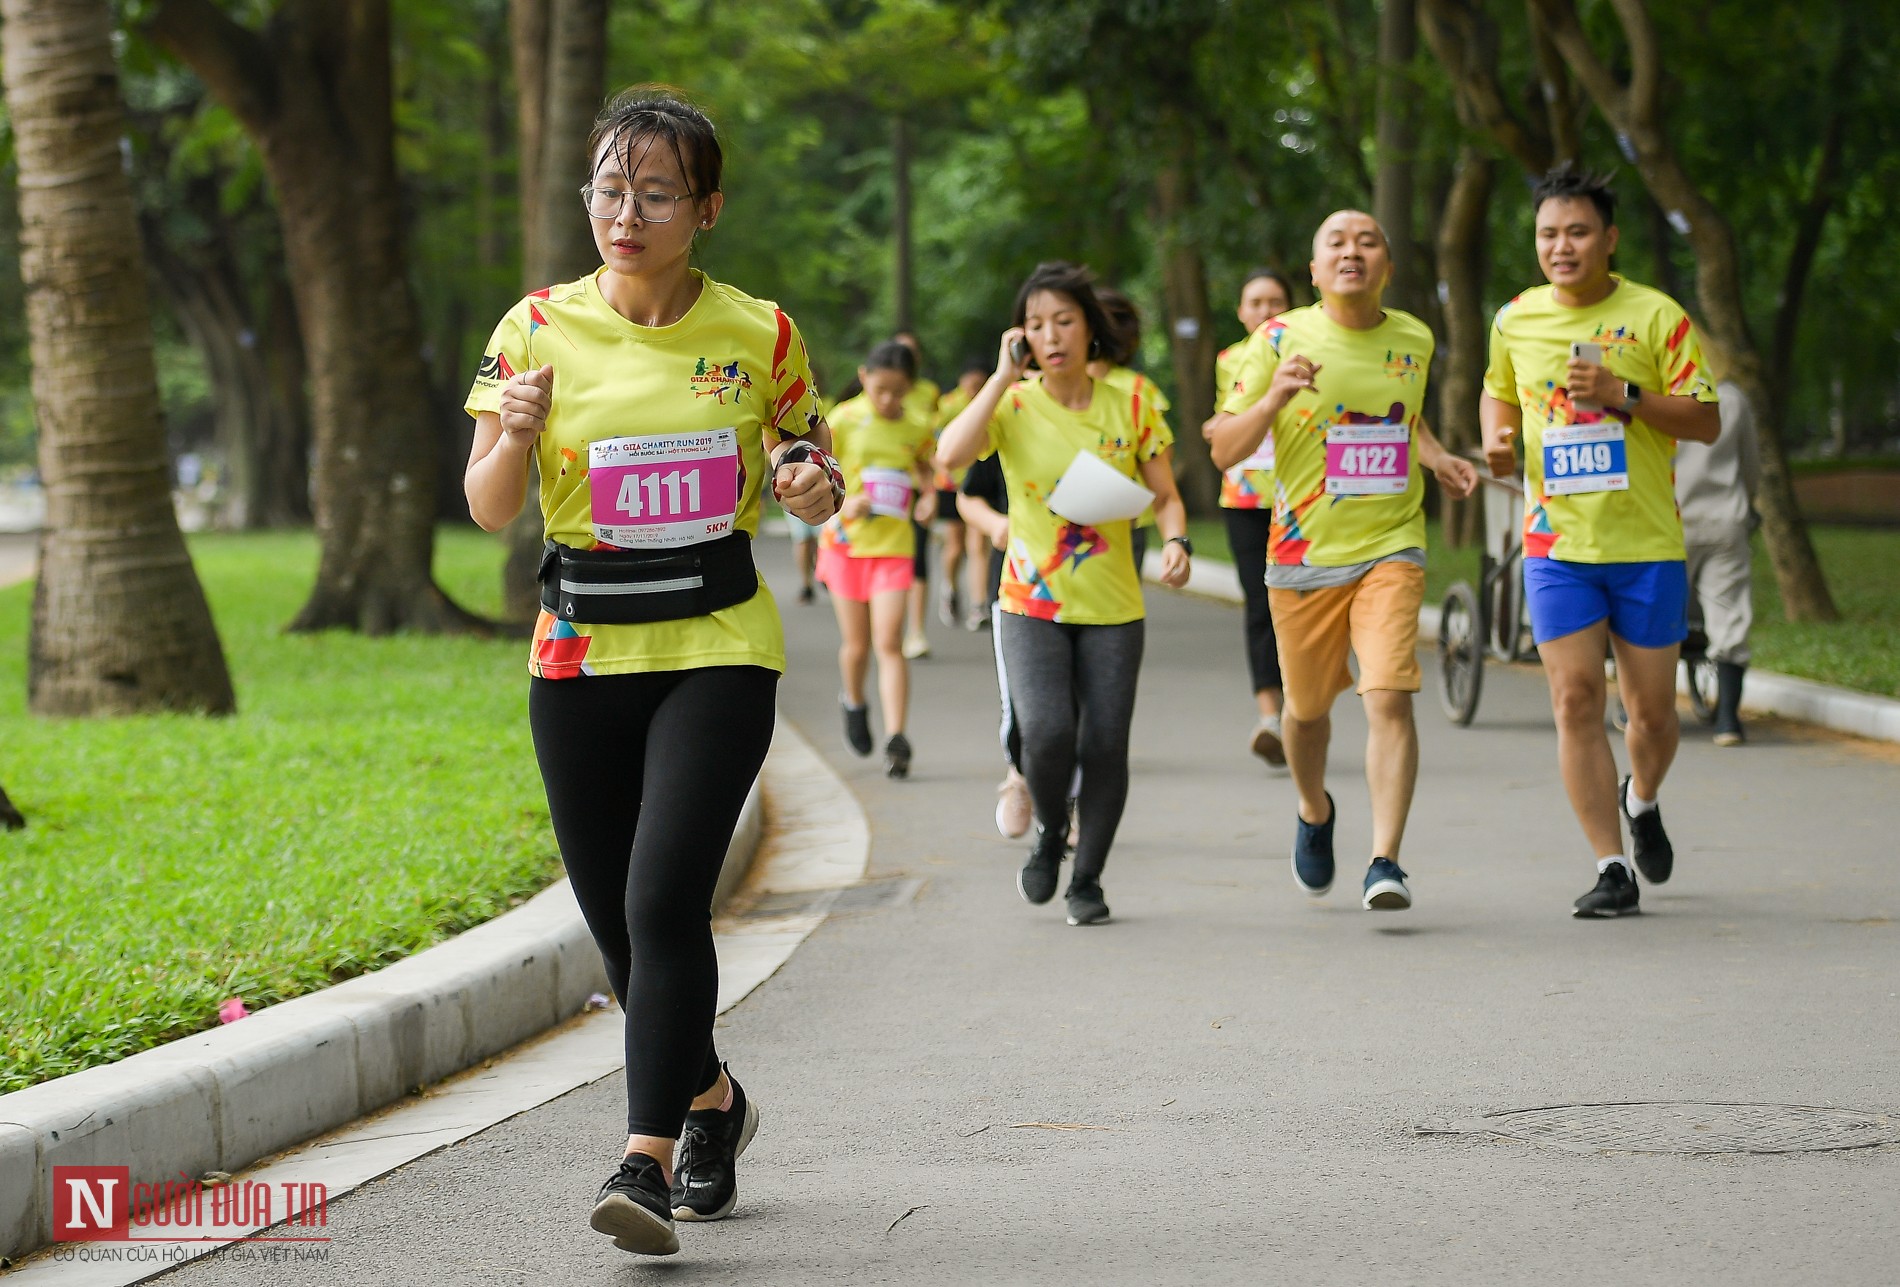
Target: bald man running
{"x":1341,"y":386}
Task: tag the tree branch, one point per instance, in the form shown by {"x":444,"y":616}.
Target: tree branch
{"x":1644,"y":96}
{"x":1822,"y":195}
{"x":1567,"y":34}
{"x":1465,"y":42}
{"x":233,"y":61}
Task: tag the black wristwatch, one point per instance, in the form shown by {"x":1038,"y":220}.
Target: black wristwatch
{"x":1184,"y":543}
{"x":1632,"y":394}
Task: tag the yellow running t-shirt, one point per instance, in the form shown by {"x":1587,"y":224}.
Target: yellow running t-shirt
{"x":1248,"y":485}
{"x":1137,"y":385}
{"x":1624,"y":511}
{"x":1347,"y":486}
{"x":1056,"y":570}
{"x":864,"y":440}
{"x":732,"y":362}
{"x":948,"y":405}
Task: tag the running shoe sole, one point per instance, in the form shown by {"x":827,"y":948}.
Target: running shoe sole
{"x":1317,"y":891}
{"x":1603,"y":914}
{"x":1103,"y":919}
{"x":746,"y":1133}
{"x":633,"y":1227}
{"x":1268,"y":747}
{"x":1387,"y":896}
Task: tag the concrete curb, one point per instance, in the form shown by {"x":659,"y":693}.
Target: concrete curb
{"x":220,"y":1100}
{"x":1840,"y":709}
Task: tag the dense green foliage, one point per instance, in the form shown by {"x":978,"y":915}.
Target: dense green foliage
{"x":376,"y":796}
{"x":1039,"y":127}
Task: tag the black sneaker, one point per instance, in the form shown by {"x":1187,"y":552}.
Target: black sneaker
{"x":1086,"y":906}
{"x":807,"y":595}
{"x":1313,"y":850}
{"x":1615,"y":894}
{"x":705,"y":1186}
{"x":635,"y":1209}
{"x":897,"y":757}
{"x":1036,"y":882}
{"x":857,"y":727}
{"x":1655,"y":856}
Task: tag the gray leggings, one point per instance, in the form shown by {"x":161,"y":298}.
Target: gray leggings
{"x":1072,"y":691}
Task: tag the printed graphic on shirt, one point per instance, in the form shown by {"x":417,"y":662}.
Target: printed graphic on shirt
{"x":1599,"y":484}
{"x":665,"y":410}
{"x":1346,"y":484}
{"x":1056,"y":570}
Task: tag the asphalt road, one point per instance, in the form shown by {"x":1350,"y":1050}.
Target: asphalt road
{"x":1232,"y":1083}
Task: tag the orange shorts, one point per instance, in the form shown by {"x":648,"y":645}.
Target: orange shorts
{"x":1375,"y":618}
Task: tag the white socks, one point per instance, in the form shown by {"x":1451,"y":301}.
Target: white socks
{"x":1603,"y":864}
{"x":1634,"y":804}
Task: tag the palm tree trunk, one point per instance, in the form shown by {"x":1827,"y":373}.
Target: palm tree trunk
{"x":120,"y":623}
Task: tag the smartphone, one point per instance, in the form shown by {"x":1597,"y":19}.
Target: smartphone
{"x":1593,"y":354}
{"x":1019,"y":350}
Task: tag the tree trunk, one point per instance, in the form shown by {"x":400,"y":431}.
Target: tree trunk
{"x":902,"y":277}
{"x":560,"y":49}
{"x":1396,"y":135}
{"x":1190,"y":325}
{"x":1635,"y":112}
{"x":283,"y":443}
{"x":120,"y":622}
{"x":314,"y":92}
{"x":10,"y":817}
{"x":1463,"y":255}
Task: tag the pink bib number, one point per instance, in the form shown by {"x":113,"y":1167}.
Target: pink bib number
{"x":1368,"y":460}
{"x":889,"y":491}
{"x":664,"y":491}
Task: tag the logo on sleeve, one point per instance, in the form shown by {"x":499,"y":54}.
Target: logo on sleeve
{"x":495,"y":369}
{"x":714,"y":380}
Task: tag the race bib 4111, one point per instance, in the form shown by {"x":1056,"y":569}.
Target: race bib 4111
{"x":664,"y":491}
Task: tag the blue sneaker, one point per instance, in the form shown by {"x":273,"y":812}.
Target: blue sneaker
{"x":1313,"y":851}
{"x":1385,"y":887}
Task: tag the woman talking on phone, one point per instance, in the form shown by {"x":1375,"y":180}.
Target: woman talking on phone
{"x":658,"y":404}
{"x":1070,"y":628}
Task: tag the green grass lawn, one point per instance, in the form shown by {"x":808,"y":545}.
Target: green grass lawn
{"x":370,"y":798}
{"x":1861,"y":651}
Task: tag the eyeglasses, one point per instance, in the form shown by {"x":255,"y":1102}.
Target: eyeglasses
{"x":652,"y":207}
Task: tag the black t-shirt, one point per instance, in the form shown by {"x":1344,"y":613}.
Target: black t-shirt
{"x":985,"y":482}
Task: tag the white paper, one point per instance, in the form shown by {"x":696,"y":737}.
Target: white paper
{"x":1093,"y":491}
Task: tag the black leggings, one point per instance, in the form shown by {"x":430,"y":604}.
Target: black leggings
{"x":1247,"y":531}
{"x":1072,"y":692}
{"x":646,"y":775}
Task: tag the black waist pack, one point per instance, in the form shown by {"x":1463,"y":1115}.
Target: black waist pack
{"x":633,"y":587}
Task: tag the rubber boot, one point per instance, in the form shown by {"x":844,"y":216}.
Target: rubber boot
{"x":1728,"y":703}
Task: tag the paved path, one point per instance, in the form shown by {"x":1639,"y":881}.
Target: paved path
{"x":18,"y":554}
{"x":1257,"y":1065}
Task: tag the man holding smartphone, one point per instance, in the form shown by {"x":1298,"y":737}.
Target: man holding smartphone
{"x":1602,"y":377}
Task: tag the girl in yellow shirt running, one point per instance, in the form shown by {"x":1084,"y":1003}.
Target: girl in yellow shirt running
{"x":659,"y":404}
{"x":867,"y":555}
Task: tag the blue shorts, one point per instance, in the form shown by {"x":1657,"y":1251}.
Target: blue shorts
{"x":1647,"y":604}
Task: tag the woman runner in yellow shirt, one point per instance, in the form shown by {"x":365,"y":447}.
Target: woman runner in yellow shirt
{"x":1070,"y":628}
{"x":658,"y":404}
{"x":867,"y":555}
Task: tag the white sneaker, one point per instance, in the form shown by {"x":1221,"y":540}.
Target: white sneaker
{"x":915,"y":646}
{"x":1266,"y":742}
{"x":1014,"y":812}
